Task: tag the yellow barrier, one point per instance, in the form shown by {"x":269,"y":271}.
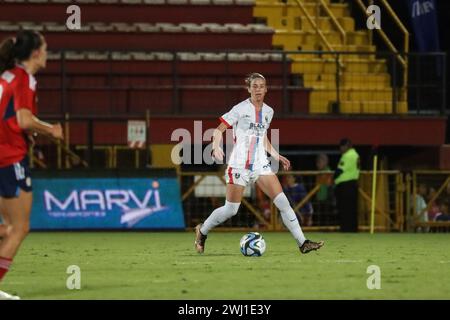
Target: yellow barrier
{"x":202,"y":192}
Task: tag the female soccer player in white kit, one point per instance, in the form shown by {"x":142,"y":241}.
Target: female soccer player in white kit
{"x":248,"y":163}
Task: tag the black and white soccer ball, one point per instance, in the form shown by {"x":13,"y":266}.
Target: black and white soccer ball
{"x":253,"y":244}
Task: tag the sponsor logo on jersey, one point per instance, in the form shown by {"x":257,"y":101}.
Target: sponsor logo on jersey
{"x":257,"y":126}
{"x":257,"y":129}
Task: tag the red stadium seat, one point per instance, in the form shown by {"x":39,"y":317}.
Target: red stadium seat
{"x":149,"y":11}
{"x":141,"y":75}
{"x":137,"y":79}
{"x":159,"y":36}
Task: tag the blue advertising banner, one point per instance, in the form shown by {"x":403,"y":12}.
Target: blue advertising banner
{"x":106,"y":203}
{"x":424,"y":21}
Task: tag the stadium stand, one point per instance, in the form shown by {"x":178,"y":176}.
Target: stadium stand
{"x":171,"y":25}
{"x":294,"y":24}
{"x":132,"y":81}
{"x":141,"y":80}
{"x":188,"y":57}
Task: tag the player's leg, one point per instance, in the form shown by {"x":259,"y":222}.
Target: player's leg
{"x":271,"y":186}
{"x":236,"y":182}
{"x":14,"y":180}
{"x":6,"y":222}
{"x":18,"y":209}
{"x":228,"y":210}
{"x":219,"y":215}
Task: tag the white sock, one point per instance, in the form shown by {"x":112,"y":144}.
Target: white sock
{"x":289,"y":218}
{"x":219,"y":216}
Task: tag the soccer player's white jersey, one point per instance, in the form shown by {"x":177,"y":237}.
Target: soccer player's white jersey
{"x":249,"y":129}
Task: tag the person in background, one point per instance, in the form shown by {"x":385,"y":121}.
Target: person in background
{"x":346,"y":180}
{"x":443,"y":216}
{"x":434,"y":205}
{"x":421,"y":214}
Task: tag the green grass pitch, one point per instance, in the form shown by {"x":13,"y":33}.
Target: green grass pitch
{"x":158,"y":265}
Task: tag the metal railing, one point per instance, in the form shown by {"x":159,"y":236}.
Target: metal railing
{"x":329,"y":13}
{"x":428,"y":197}
{"x":86,"y":151}
{"x":297,"y":85}
{"x":311,"y":20}
{"x":404,"y":201}
{"x":202,"y":192}
{"x":403,"y":59}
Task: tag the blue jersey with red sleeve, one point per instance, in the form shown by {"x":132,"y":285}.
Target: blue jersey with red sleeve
{"x":17,"y":91}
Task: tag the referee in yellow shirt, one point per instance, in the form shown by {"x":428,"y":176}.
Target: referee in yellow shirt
{"x":346,"y":180}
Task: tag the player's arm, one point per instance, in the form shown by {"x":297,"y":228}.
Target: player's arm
{"x":27,"y":121}
{"x":270,"y":149}
{"x":340,"y":169}
{"x":278,"y":157}
{"x":217,"y":138}
{"x":337,"y":173}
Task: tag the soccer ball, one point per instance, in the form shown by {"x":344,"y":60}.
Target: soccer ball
{"x":253,"y":244}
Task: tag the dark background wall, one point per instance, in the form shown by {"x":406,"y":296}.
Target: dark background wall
{"x":401,"y":9}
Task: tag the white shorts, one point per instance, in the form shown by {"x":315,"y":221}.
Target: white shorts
{"x":243,"y":177}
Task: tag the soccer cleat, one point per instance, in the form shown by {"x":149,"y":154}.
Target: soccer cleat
{"x":7,"y":296}
{"x":199,"y":239}
{"x":308,"y":246}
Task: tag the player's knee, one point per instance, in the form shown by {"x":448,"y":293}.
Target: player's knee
{"x":231,"y":207}
{"x":19,"y":231}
